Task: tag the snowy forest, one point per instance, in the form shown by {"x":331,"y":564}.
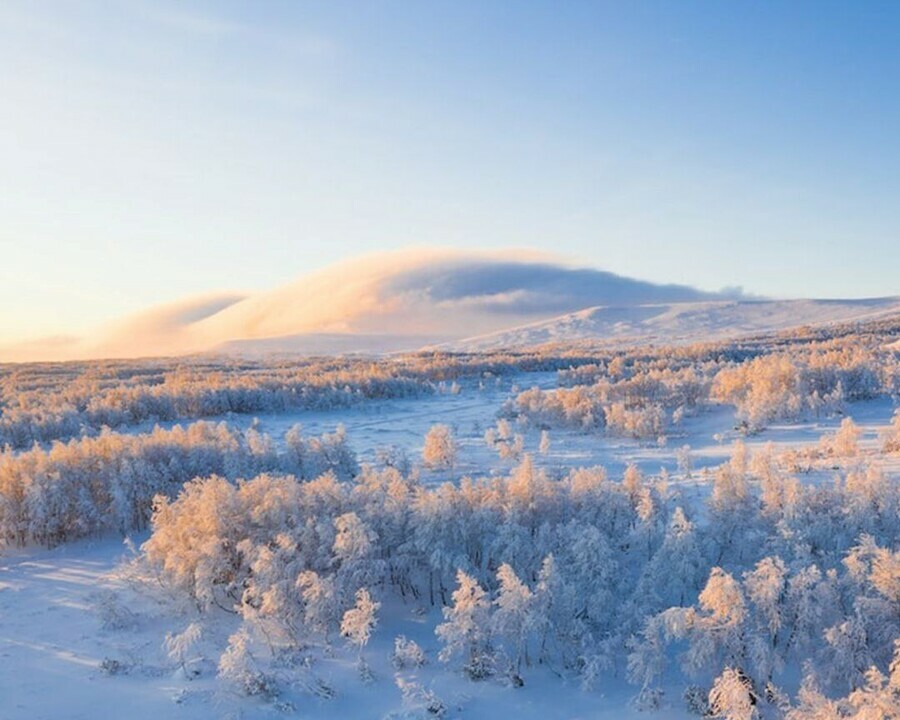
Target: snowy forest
{"x":407,"y":360}
{"x":718,"y":565}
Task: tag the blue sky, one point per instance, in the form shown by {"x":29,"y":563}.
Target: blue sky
{"x":153,"y":150}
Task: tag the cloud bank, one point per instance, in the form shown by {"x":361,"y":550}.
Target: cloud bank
{"x":415,"y":294}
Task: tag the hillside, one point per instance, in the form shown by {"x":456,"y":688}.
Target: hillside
{"x":683,"y":322}
{"x":414,"y":299}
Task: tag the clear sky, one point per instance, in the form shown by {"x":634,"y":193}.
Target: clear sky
{"x":153,"y":149}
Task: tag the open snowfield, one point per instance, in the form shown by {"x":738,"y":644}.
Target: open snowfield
{"x":79,"y":639}
{"x":403,"y":423}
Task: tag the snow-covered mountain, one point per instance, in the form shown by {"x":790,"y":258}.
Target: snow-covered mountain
{"x":673,"y":323}
{"x":413,"y":299}
{"x":390,"y":301}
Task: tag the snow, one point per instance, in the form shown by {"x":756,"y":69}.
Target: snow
{"x":403,"y":423}
{"x":683,"y":322}
{"x":52,"y":646}
{"x":416,"y":294}
{"x":53,"y":643}
{"x":411,"y":299}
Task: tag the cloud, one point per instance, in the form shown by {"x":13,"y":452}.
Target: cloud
{"x":414,"y":294}
{"x":533,"y":288}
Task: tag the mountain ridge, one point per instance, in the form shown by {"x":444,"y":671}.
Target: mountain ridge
{"x":425,"y":299}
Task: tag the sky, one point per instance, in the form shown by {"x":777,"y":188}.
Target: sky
{"x":152,"y":150}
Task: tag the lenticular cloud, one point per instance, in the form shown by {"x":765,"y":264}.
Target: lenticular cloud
{"x":387,"y":300}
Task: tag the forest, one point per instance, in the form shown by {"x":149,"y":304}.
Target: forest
{"x":766,"y":585}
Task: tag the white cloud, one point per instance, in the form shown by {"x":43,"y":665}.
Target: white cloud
{"x":415,"y":293}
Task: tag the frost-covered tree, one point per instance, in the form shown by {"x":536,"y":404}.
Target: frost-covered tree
{"x":440,"y":448}
{"x":763,"y":389}
{"x":319,"y":600}
{"x":466,"y":631}
{"x":508,"y":444}
{"x":865,"y":637}
{"x":269,"y":601}
{"x":355,"y":554}
{"x":813,"y":705}
{"x":733,"y":507}
{"x":544,"y":445}
{"x":715,"y":631}
{"x":766,"y":587}
{"x":732,"y":696}
{"x":891,"y":441}
{"x":588,"y":564}
{"x":876,"y":698}
{"x":240,"y":667}
{"x":675,"y":572}
{"x":844,"y":443}
{"x":180,"y":645}
{"x":514,"y":616}
{"x":360,"y":620}
{"x":633,"y":481}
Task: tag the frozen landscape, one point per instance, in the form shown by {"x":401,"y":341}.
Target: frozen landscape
{"x":411,"y":300}
{"x":396,"y":360}
{"x":458,"y":535}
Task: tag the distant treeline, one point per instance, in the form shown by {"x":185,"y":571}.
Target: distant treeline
{"x":637,"y":391}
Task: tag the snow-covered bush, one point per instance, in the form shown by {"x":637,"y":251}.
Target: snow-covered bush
{"x":696,"y":700}
{"x":501,"y":438}
{"x":419,"y":702}
{"x":112,"y":612}
{"x":407,"y":654}
{"x":892,"y":436}
{"x":240,"y":669}
{"x":180,"y":646}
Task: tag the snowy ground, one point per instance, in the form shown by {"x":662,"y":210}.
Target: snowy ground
{"x":53,"y":645}
{"x":53,"y":642}
{"x":403,"y":423}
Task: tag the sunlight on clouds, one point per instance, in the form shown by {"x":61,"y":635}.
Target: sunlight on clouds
{"x":418,"y":293}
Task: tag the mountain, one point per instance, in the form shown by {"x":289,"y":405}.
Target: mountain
{"x":406,"y":299}
{"x":433,"y":298}
{"x":677,"y":323}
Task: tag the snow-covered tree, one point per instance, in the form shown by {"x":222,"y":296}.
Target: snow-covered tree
{"x":360,"y":620}
{"x":240,"y":667}
{"x":891,"y":442}
{"x":685,"y":463}
{"x":544,"y":445}
{"x":179,"y":647}
{"x":466,"y":631}
{"x":732,"y":696}
{"x":513,"y":619}
{"x":319,"y":599}
{"x":440,"y":448}
{"x":675,"y":572}
{"x":766,"y":587}
{"x":845,"y":442}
